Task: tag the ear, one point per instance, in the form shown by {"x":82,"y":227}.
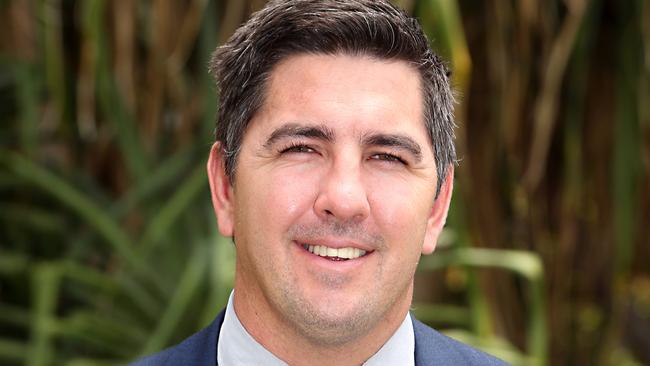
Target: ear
{"x":221,"y":190}
{"x":439,"y":211}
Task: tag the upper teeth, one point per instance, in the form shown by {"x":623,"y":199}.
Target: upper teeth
{"x":323,"y":251}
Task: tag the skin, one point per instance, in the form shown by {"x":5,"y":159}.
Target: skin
{"x":338,"y":155}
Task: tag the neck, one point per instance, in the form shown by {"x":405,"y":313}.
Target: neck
{"x":274,"y":333}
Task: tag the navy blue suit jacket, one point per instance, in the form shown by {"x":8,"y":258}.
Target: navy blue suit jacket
{"x":431,"y":348}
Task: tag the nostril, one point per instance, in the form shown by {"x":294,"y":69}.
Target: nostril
{"x":329,"y":212}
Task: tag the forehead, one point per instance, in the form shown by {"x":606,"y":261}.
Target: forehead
{"x":352,"y":92}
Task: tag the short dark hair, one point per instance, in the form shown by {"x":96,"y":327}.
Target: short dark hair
{"x":283,"y":28}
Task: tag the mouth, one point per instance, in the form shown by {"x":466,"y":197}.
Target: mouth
{"x":335,"y":254}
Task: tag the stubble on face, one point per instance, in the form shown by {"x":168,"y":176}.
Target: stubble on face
{"x":330,"y":329}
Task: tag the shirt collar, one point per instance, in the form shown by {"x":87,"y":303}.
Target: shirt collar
{"x":237,"y":347}
{"x":399,"y":349}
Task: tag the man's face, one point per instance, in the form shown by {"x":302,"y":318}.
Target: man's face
{"x":333,"y":201}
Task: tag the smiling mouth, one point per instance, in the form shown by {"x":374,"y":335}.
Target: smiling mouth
{"x":335,"y":254}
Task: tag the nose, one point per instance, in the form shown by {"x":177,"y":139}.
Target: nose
{"x":342,"y":195}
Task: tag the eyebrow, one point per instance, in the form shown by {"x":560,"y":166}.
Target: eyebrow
{"x":395,"y":140}
{"x":325,"y":133}
{"x":298,"y":130}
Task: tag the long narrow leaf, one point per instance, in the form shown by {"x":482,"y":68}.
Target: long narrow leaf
{"x":524,"y":264}
{"x":164,"y":220}
{"x":111,"y":102}
{"x":83,"y":205}
{"x":186,"y":289}
{"x":45,"y":284}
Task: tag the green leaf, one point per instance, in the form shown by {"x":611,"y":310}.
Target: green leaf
{"x":186,"y":289}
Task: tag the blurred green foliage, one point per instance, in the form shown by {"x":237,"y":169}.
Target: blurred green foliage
{"x":108,"y":244}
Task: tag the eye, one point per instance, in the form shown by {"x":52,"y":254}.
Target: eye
{"x":297,"y":148}
{"x":390,"y":158}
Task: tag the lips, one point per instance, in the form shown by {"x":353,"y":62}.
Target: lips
{"x":334,"y":253}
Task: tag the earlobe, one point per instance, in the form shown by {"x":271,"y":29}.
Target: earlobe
{"x":439,"y":211}
{"x":221,"y":190}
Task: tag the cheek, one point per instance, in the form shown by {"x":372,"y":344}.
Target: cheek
{"x":295,"y":190}
{"x":398,"y":203}
{"x":401,"y":211}
{"x":283,"y":197}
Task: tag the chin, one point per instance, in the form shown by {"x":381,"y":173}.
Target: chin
{"x":335,"y":330}
{"x":332,"y":323}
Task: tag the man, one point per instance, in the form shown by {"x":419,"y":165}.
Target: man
{"x":332,"y":171}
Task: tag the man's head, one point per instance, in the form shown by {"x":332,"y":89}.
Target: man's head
{"x":374,"y":28}
{"x":338,"y":119}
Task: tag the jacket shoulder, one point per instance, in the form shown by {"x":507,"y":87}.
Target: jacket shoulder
{"x":198,"y":349}
{"x":434,"y":348}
